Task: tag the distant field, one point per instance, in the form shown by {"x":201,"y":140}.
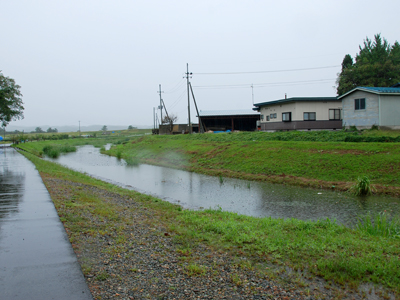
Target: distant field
{"x":10,"y":137}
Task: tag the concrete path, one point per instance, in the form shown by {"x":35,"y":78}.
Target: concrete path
{"x":36,"y":257}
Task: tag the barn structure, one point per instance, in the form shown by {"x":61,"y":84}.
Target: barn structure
{"x":222,"y":120}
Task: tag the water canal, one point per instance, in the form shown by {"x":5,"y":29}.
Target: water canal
{"x":196,"y":191}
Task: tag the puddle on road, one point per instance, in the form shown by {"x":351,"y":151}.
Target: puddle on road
{"x":12,"y":181}
{"x":195,"y":191}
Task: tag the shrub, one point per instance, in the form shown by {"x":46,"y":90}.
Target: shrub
{"x":374,"y":127}
{"x":132,"y":161}
{"x":362,"y":187}
{"x":353,"y":128}
{"x":51,"y":151}
{"x":54,"y":151}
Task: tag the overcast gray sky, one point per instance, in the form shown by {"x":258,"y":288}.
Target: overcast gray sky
{"x":101,"y":62}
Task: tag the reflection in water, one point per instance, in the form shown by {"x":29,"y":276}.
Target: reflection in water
{"x":258,"y":199}
{"x":11,"y":188}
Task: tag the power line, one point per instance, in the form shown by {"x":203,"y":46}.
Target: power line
{"x":265,"y":61}
{"x":176,"y":87}
{"x":246,"y":85}
{"x":178,"y":99}
{"x":273,"y":71}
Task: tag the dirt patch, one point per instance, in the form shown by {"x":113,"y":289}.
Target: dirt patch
{"x":338,"y":151}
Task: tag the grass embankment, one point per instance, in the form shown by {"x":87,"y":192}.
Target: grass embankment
{"x":39,"y":148}
{"x":316,"y":159}
{"x":342,"y":255}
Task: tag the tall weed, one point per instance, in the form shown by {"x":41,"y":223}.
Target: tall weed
{"x":362,"y":187}
{"x":379,"y":225}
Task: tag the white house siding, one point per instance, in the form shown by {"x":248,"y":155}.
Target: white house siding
{"x":390,"y":111}
{"x":364,"y":118}
{"x":277,"y":109}
{"x":320,"y":108}
{"x":298,"y":108}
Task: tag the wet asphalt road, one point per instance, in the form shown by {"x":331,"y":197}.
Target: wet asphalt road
{"x":36,"y":258}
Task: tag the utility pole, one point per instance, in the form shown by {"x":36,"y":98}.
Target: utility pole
{"x":161,"y":106}
{"x":201,"y":127}
{"x":187,"y":80}
{"x":154,"y":118}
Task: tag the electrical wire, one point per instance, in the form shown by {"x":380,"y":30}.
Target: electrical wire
{"x":258,"y":85}
{"x":176,"y":87}
{"x":178,"y":100}
{"x":273,"y":71}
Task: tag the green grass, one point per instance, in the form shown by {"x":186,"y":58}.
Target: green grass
{"x":132,"y":161}
{"x":54,"y":151}
{"x":381,"y":224}
{"x":343,"y":255}
{"x":323,"y":248}
{"x":251,"y":156}
{"x":195,"y":270}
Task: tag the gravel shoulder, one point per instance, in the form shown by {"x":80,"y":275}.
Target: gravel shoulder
{"x":127,"y":250}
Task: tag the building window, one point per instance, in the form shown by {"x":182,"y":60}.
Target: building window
{"x":309,"y":116}
{"x":359,"y":104}
{"x":262,"y":117}
{"x":272,"y":116}
{"x":267,"y":118}
{"x":334,"y":114}
{"x":286,"y":117}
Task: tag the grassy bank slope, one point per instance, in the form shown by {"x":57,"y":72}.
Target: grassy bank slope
{"x":338,"y":254}
{"x":258,"y":157}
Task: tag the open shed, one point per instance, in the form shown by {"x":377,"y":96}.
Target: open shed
{"x":222,"y":120}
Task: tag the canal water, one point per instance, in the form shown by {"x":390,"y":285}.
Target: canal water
{"x":197,"y":191}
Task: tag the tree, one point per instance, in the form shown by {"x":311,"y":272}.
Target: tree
{"x":169,"y":120}
{"x":104,"y":128}
{"x":10,"y":100}
{"x":52,"y":130}
{"x":130,"y":127}
{"x":377,"y":64}
{"x":38,"y":130}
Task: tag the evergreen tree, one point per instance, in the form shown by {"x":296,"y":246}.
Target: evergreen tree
{"x":377,"y":64}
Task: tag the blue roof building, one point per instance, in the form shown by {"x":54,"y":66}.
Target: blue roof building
{"x":364,"y":107}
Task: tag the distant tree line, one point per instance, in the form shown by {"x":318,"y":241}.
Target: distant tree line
{"x":49,"y":130}
{"x":376,"y":65}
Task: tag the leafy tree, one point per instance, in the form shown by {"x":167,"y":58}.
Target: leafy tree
{"x":130,"y":127}
{"x":10,"y":100}
{"x":377,"y":64}
{"x":38,"y":130}
{"x":169,"y":120}
{"x":104,"y":128}
{"x":52,"y":130}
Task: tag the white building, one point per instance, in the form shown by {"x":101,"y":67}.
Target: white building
{"x":300,"y":113}
{"x":364,"y":107}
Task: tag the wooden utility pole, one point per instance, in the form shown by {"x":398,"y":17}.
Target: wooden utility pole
{"x":201,"y":127}
{"x":161,"y":106}
{"x":154,"y":118}
{"x":187,"y":81}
